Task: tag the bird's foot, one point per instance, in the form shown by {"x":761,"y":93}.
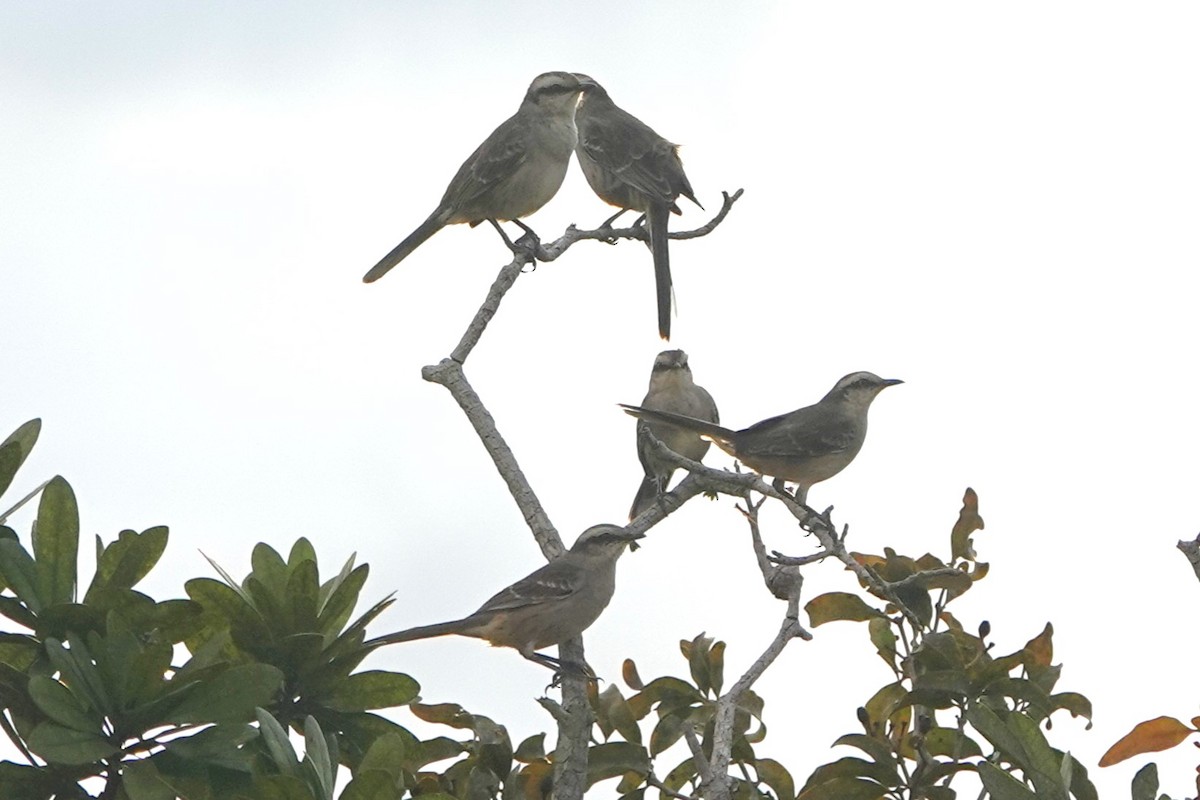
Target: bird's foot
{"x":529,"y":244}
{"x":574,"y":668}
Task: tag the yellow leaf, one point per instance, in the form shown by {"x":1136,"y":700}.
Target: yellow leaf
{"x":1160,"y":733}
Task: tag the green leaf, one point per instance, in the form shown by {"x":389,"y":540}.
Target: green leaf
{"x":18,"y":650}
{"x":225,"y":605}
{"x":141,"y":781}
{"x":775,"y":776}
{"x":531,"y":749}
{"x":268,"y":567}
{"x":339,"y":605}
{"x":20,"y":782}
{"x":220,"y":745}
{"x":1076,"y":703}
{"x":372,"y":689}
{"x":952,"y":743}
{"x":79,"y":672}
{"x":616,"y":710}
{"x":884,"y":639}
{"x":127,"y":560}
{"x":1019,"y":740}
{"x":17,"y":611}
{"x":667,"y":732}
{"x":15,"y":449}
{"x":833,"y":606}
{"x":385,"y":754}
{"x":1002,"y":786}
{"x":372,"y":785}
{"x":60,"y":705}
{"x":302,"y":591}
{"x":276,"y":740}
{"x":231,"y":696}
{"x":316,"y":755}
{"x":20,"y":573}
{"x":696,"y":652}
{"x":280,"y":787}
{"x":1145,"y":783}
{"x":616,"y":758}
{"x":844,"y":789}
{"x":302,"y":550}
{"x":877,"y":750}
{"x":56,"y":542}
{"x":62,"y":745}
{"x":883,"y":775}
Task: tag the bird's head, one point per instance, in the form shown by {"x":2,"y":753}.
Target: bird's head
{"x":860,"y":388}
{"x":671,"y":359}
{"x":554,"y":90}
{"x":604,"y":540}
{"x":590,"y":88}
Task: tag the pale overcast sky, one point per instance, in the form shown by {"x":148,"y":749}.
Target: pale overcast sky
{"x":996,"y":203}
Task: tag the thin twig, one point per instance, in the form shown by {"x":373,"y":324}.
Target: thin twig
{"x":4,"y":517}
{"x":652,"y":780}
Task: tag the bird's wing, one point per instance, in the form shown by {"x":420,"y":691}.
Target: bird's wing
{"x":555,"y":581}
{"x":631,"y":150}
{"x":500,"y":155}
{"x":803,"y":433}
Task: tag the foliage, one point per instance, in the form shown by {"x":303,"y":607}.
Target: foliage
{"x":196,"y":697}
{"x":953,"y":706}
{"x":91,"y":687}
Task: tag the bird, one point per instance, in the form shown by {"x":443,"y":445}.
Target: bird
{"x":671,"y":389}
{"x":806,"y":446}
{"x":631,"y":167}
{"x":512,"y":174}
{"x":547,"y":607}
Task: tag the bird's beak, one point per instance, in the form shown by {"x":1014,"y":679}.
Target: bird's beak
{"x":892,"y":382}
{"x":584,"y":80}
{"x":632,"y":539}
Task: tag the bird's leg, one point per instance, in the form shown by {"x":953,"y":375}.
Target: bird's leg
{"x":609,"y":222}
{"x":561,"y":668}
{"x":527,"y":245}
{"x":533,"y":242}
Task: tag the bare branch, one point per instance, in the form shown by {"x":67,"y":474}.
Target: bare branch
{"x":450,"y":374}
{"x":491,"y":304}
{"x":553,"y":250}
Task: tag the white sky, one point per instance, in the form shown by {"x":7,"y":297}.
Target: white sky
{"x":996,"y":203}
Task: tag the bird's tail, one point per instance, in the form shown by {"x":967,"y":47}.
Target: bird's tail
{"x":722,"y":437}
{"x":648,"y":491}
{"x":420,"y":632}
{"x":401,"y":251}
{"x":656,"y":220}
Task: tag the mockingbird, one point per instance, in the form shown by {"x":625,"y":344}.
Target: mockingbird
{"x":671,"y":389}
{"x":630,"y":166}
{"x":805,"y":446}
{"x":547,"y":607}
{"x":513,"y":173}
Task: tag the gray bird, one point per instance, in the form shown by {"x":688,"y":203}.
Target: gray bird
{"x":547,"y":607}
{"x":671,"y":389}
{"x":805,"y":446}
{"x":630,"y":166}
{"x":513,"y":173}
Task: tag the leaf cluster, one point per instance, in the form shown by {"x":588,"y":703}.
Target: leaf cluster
{"x":953,"y":706}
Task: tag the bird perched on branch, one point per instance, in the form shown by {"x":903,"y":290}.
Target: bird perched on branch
{"x":547,"y":607}
{"x":513,"y":173}
{"x":630,"y":166}
{"x":806,"y":446}
{"x":671,"y":389}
